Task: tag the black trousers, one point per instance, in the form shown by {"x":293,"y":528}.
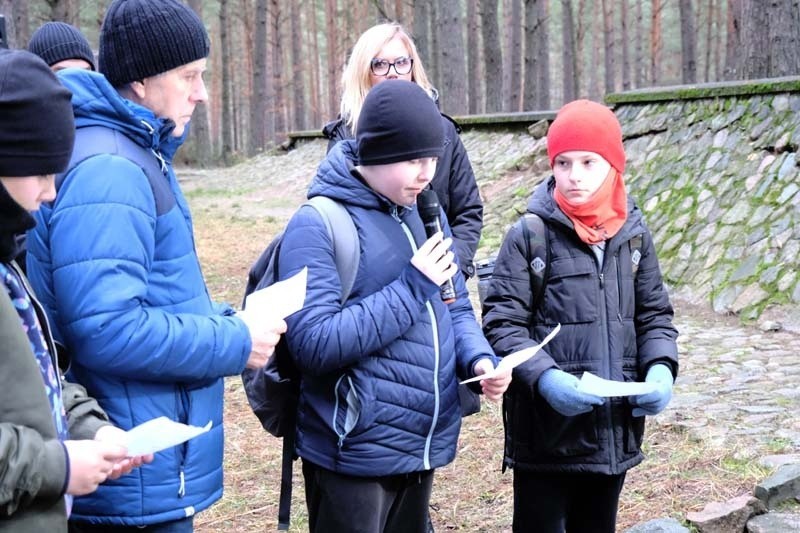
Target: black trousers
{"x":571,"y":502}
{"x":346,"y":504}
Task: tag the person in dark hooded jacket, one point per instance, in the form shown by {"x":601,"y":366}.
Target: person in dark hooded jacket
{"x":378,"y":408}
{"x":569,"y":449}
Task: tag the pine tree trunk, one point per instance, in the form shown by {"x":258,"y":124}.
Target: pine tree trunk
{"x":316,"y":86}
{"x":258,"y":105}
{"x":594,"y":67}
{"x":569,"y":57}
{"x":784,"y":37}
{"x":733,"y":41}
{"x":515,"y":55}
{"x":449,"y":26}
{"x":492,"y":56}
{"x":422,"y":30}
{"x":226,"y":122}
{"x":333,"y":57}
{"x":709,"y":41}
{"x":688,"y":38}
{"x":655,"y":42}
{"x":299,"y":68}
{"x":610,"y":60}
{"x":200,"y":137}
{"x":276,"y":46}
{"x":755,"y":54}
{"x":625,"y":44}
{"x":639,"y":74}
{"x":473,"y":59}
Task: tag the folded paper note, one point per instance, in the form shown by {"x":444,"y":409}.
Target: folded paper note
{"x":282,"y":298}
{"x":606,"y":388}
{"x":159,"y":434}
{"x":515,"y":359}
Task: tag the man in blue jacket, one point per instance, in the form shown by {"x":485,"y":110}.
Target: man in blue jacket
{"x":114,"y":262}
{"x":379,"y":407}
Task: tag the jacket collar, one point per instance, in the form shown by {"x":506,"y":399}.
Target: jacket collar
{"x":96,"y":103}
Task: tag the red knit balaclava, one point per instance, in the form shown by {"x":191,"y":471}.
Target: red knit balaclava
{"x":587,"y":126}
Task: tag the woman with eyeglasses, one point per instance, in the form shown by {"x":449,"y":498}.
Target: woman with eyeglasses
{"x":386,"y":52}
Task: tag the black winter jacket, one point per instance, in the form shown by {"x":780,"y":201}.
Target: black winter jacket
{"x":613,"y":323}
{"x":454,"y":184}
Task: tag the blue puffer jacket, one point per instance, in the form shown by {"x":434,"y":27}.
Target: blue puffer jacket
{"x":379,"y":392}
{"x":125,"y":293}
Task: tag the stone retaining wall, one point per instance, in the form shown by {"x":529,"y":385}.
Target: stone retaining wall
{"x":715,"y":169}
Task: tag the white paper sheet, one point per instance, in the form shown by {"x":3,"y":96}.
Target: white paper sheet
{"x":515,"y":359}
{"x":159,"y":434}
{"x":598,"y":386}
{"x":282,"y":298}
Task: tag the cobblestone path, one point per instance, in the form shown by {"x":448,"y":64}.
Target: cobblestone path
{"x":738,"y":387}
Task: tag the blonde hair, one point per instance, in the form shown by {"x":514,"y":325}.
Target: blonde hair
{"x":356,"y":81}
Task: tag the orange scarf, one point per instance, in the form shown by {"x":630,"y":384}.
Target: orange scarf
{"x":603,"y":214}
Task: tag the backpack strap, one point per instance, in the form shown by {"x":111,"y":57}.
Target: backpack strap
{"x":635,"y":245}
{"x":537,"y":254}
{"x":346,"y":251}
{"x":92,"y":141}
{"x":343,"y":233}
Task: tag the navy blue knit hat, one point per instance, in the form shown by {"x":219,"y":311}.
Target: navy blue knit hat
{"x":37,"y":128}
{"x":398,"y":122}
{"x":142,"y":38}
{"x":57,"y":41}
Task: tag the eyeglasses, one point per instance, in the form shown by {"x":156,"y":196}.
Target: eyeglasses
{"x":381,"y":67}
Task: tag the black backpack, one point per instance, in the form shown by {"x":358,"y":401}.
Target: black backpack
{"x":273,"y":391}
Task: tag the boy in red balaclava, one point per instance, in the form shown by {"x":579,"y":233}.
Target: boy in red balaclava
{"x":570,"y":450}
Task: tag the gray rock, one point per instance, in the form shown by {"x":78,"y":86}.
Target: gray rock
{"x":774,"y":523}
{"x":726,"y":517}
{"x":538,"y":129}
{"x":783,"y":485}
{"x":775,"y":461}
{"x":658,"y":525}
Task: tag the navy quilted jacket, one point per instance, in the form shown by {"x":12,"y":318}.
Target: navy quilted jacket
{"x":379,"y":390}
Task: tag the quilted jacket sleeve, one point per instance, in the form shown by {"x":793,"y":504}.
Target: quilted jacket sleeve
{"x":465,"y":209}
{"x":655,"y":335}
{"x":102,"y":242}
{"x":507,"y":313}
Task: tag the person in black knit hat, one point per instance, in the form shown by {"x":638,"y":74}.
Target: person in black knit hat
{"x":379,"y":408}
{"x":62,"y":45}
{"x":114,"y":261}
{"x":41,"y":416}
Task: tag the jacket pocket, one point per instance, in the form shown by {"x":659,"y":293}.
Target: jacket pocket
{"x":633,"y":428}
{"x":557,"y":435}
{"x":354,"y":407}
{"x":572,"y":289}
{"x":537,"y":433}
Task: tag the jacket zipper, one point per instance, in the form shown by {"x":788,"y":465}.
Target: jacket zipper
{"x":607,"y":368}
{"x":426,"y":459}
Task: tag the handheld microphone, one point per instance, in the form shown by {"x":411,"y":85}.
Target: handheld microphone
{"x":429,"y":210}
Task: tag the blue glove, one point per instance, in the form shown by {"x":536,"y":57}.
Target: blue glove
{"x":560,"y":389}
{"x":654,"y":402}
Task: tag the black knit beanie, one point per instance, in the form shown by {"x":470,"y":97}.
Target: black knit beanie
{"x":37,"y":128}
{"x":57,"y":41}
{"x":398,"y":122}
{"x":142,"y":38}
